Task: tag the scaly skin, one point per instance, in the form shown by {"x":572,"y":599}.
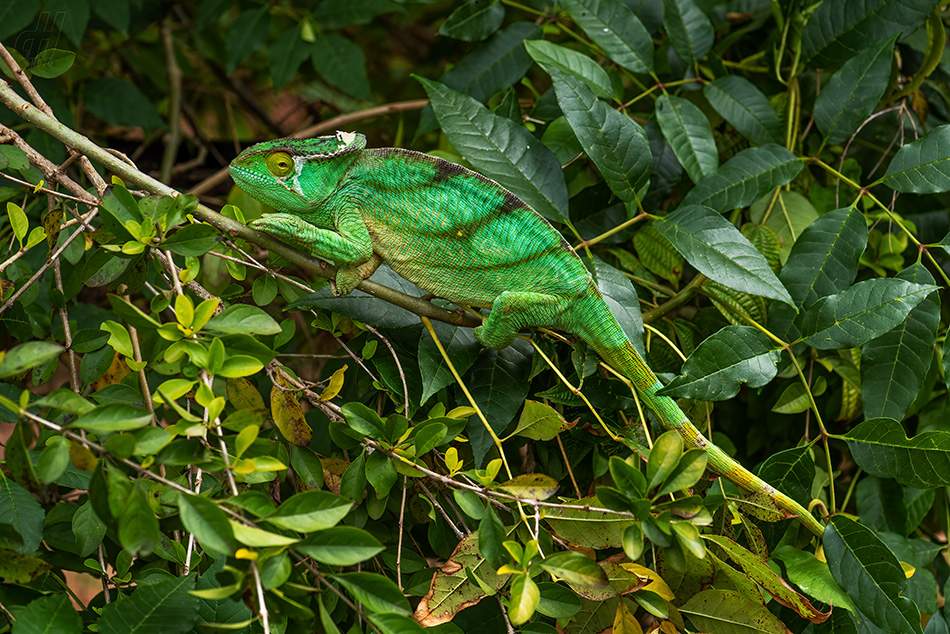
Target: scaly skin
{"x":461,"y":237}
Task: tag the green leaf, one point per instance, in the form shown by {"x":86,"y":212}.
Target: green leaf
{"x":19,"y":509}
{"x":495,"y":64}
{"x":164,"y":607}
{"x":310,"y":511}
{"x":378,"y":594}
{"x":243,"y":319}
{"x":15,"y":16}
{"x":865,"y":311}
{"x":52,"y":614}
{"x":288,"y":51}
{"x":575,"y":569}
{"x":247,"y":33}
{"x":686,"y":474}
{"x":381,"y":473}
{"x":259,"y":538}
{"x":531,"y":486}
{"x":18,"y":221}
{"x":54,"y":459}
{"x":539,"y":421}
{"x":192,"y":240}
{"x":664,"y":456}
{"x":852,"y":92}
{"x":52,"y":62}
{"x":31,"y":354}
{"x":758,"y":571}
{"x":524,"y":599}
{"x":838,"y":30}
{"x":340,"y":546}
{"x":894,"y":365}
{"x":824,"y":259}
{"x":629,"y":480}
{"x":688,"y":131}
{"x":719,"y":366}
{"x":363,"y":420}
{"x":462,"y":349}
{"x":88,"y":529}
{"x":922,"y":167}
{"x":112,"y":417}
{"x":791,"y":471}
{"x":745,"y":178}
{"x":491,"y":535}
{"x":208,"y":523}
{"x":342,"y":64}
{"x":881,"y":448}
{"x":500,"y":148}
{"x":813,"y":576}
{"x":720,"y":252}
{"x":473,"y":21}
{"x":691,"y":32}
{"x":729,"y":612}
{"x":869,"y":572}
{"x":613,"y":141}
{"x":119,"y":102}
{"x":742,"y":104}
{"x":616,"y":29}
{"x":574,"y":65}
{"x":138,"y":526}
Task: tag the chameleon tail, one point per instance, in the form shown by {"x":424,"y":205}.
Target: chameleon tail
{"x":619,"y":353}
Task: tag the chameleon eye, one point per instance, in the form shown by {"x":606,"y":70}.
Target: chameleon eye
{"x":280,"y":164}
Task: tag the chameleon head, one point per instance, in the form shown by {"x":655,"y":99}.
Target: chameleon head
{"x":292,"y":175}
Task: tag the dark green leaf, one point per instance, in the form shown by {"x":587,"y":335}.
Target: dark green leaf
{"x":720,"y":252}
{"x":311,"y":511}
{"x":745,"y":178}
{"x":723,"y":362}
{"x":838,"y":30}
{"x":342,"y":64}
{"x":870,"y":573}
{"x":922,"y":167}
{"x":336,"y":13}
{"x":687,"y":129}
{"x":118,"y":102}
{"x":894,"y":365}
{"x":473,"y":21}
{"x":340,"y":546}
{"x":881,"y":447}
{"x":616,"y":29}
{"x":88,"y":529}
{"x":491,"y":534}
{"x":192,"y":240}
{"x":248,"y":32}
{"x":138,"y":526}
{"x":865,"y":311}
{"x":378,"y":594}
{"x":569,"y":62}
{"x":208,"y":523}
{"x":164,"y":607}
{"x":501,"y":149}
{"x":742,"y":104}
{"x":493,"y":65}
{"x":286,"y":54}
{"x":16,"y":15}
{"x":380,"y":473}
{"x":824,"y":259}
{"x":462,"y":349}
{"x":52,"y":614}
{"x":19,"y":509}
{"x":613,"y":141}
{"x":691,"y":32}
{"x":791,"y":471}
{"x":853,"y":91}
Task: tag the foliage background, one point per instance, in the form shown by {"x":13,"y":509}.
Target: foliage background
{"x":743,"y":175}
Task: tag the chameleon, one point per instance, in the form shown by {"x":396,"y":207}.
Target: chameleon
{"x":462,"y":237}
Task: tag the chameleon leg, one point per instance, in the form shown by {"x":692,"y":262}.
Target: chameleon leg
{"x":511,"y":311}
{"x":350,"y":245}
{"x":348,"y":276}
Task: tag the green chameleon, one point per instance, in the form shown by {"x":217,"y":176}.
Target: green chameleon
{"x":462,"y":237}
